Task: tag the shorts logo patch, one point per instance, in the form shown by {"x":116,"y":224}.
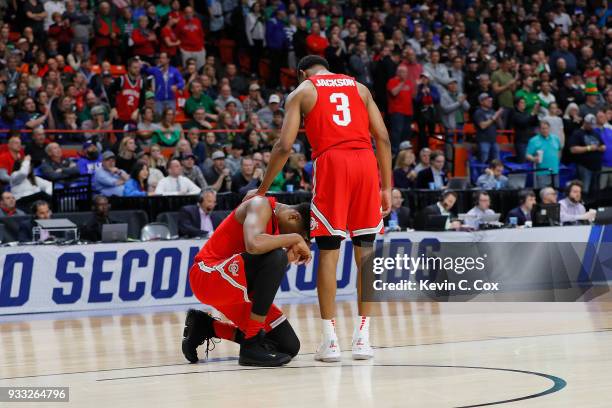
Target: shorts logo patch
{"x":313,"y":224}
{"x":233,"y":268}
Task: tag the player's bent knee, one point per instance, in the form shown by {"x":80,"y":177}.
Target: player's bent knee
{"x":286,"y":339}
{"x":277,"y":258}
{"x":366,"y":240}
{"x":328,"y":243}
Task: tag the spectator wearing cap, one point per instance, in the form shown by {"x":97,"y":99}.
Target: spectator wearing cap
{"x":483,"y":85}
{"x":253,"y":102}
{"x":226,"y":96}
{"x":487,"y":122}
{"x":544,"y":150}
{"x":400,"y":90}
{"x":176,"y":183}
{"x":266,"y":114}
{"x":109,"y":180}
{"x":454,"y":106}
{"x":592,"y":103}
{"x":218,"y":176}
{"x":191,"y":35}
{"x":437,"y":71}
{"x":193,"y":172}
{"x":198,"y":99}
{"x":55,"y":167}
{"x":587,"y":148}
{"x":168,"y":80}
{"x":404,"y":174}
{"x":90,"y":159}
{"x":427,"y":97}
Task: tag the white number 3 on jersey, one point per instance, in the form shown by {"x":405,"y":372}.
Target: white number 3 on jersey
{"x":342,"y":106}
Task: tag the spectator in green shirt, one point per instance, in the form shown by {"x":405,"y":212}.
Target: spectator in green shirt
{"x":199,"y":99}
{"x":526,"y":92}
{"x":544,"y":150}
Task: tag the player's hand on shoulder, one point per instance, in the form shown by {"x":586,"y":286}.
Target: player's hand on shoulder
{"x":252,"y":193}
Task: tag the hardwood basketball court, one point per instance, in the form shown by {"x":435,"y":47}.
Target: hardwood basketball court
{"x":428,"y":355}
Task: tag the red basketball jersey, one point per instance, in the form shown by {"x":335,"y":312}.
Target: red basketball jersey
{"x":228,"y":239}
{"x":339,"y":119}
{"x":128,"y":98}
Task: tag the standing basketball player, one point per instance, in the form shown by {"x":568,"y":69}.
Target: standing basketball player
{"x":239,"y":271}
{"x":339,"y":115}
{"x":129,"y":88}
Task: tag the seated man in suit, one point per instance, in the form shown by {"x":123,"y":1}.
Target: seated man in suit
{"x":40,"y":211}
{"x":482,"y":204}
{"x":435,"y":175}
{"x":444,"y":206}
{"x":196,"y":220}
{"x":92,"y":230}
{"x":400,"y":214}
{"x":8,"y":205}
{"x":522,"y":213}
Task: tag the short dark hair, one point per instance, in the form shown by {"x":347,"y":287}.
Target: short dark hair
{"x":495,"y":163}
{"x":524,"y":194}
{"x":310,"y":61}
{"x":304,"y":210}
{"x":36,"y":204}
{"x":435,"y":154}
{"x":573,"y":183}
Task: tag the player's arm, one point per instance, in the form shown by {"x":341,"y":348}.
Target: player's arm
{"x":383,"y":147}
{"x":282,"y":148}
{"x":256,"y":241}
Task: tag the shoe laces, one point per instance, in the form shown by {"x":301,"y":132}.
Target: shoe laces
{"x":211,"y":343}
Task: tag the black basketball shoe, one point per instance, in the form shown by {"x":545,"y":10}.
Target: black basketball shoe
{"x":257,"y":352}
{"x":198,"y":329}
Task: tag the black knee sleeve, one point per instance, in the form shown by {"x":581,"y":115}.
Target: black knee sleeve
{"x":284,"y":339}
{"x":366,"y":240}
{"x":328,"y":243}
{"x":264,"y":275}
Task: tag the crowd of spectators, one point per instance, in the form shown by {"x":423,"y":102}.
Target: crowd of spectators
{"x":177,"y":97}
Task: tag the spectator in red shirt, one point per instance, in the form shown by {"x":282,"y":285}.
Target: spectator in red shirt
{"x":62,"y":32}
{"x":12,"y":154}
{"x":316,"y":43}
{"x":415,"y":69}
{"x":107,"y":35}
{"x":169,"y":42}
{"x":399,"y":91}
{"x":145,"y":40}
{"x":189,"y":32}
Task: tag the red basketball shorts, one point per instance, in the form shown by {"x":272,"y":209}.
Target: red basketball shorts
{"x":224,"y":287}
{"x":345,"y":194}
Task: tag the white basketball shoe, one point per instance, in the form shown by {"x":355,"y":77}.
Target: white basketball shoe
{"x":329,"y":350}
{"x":361,"y":339}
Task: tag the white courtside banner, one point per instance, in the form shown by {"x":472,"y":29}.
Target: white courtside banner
{"x":49,"y":278}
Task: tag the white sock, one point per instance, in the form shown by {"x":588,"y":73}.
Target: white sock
{"x":362,"y":327}
{"x":329,"y":327}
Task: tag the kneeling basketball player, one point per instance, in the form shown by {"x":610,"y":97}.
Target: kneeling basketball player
{"x":239,"y":271}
